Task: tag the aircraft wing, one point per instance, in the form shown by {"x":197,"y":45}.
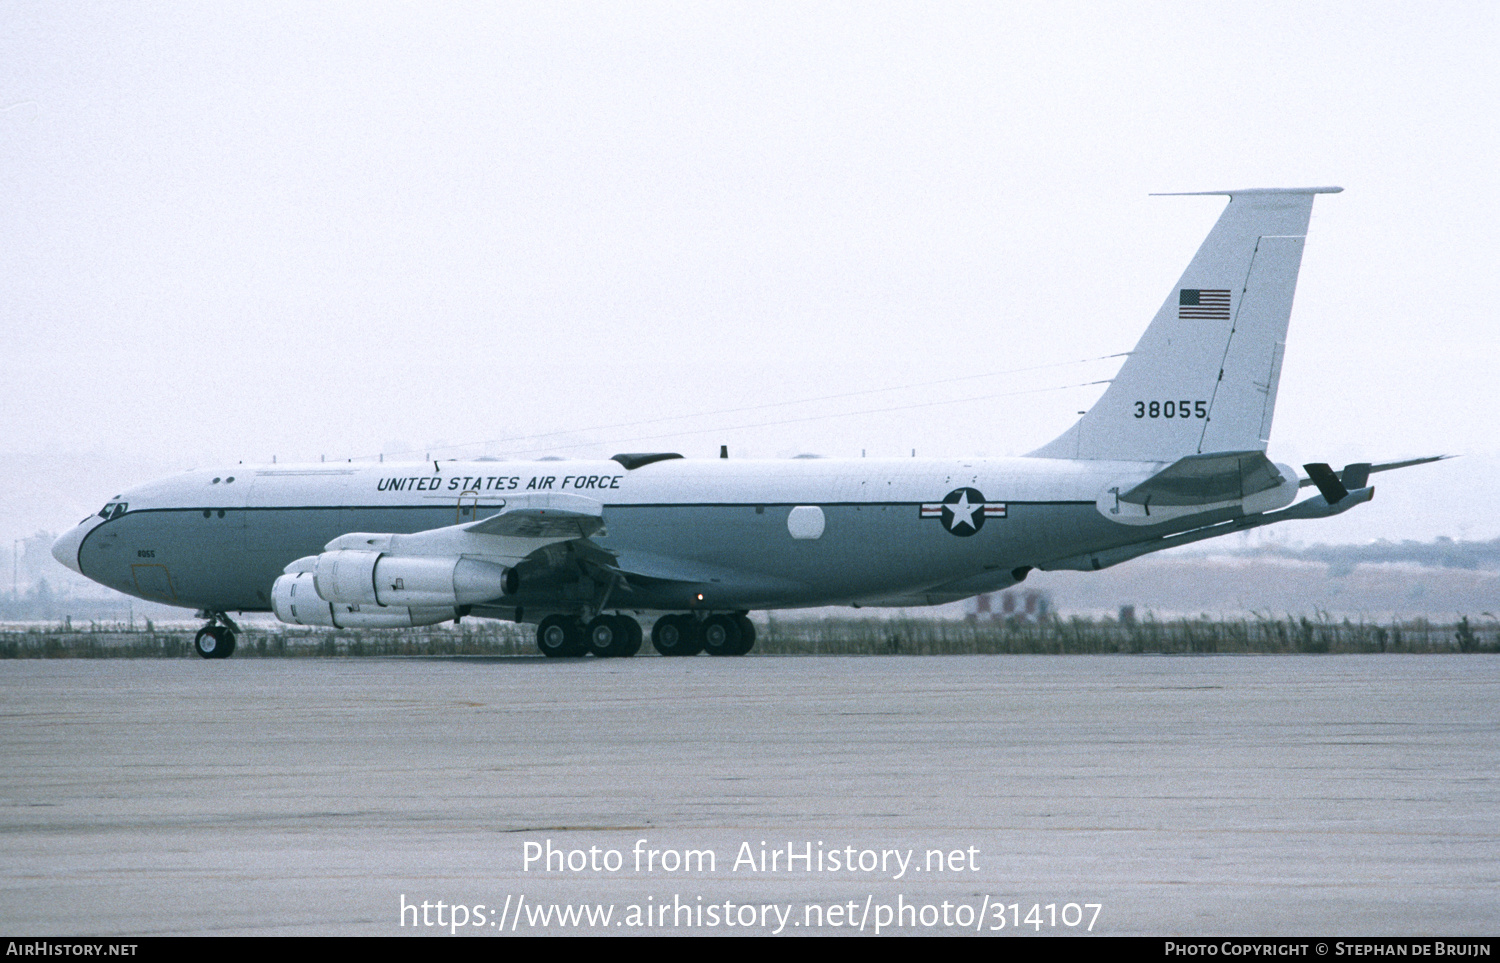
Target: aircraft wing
{"x":638,"y":567}
{"x":525,"y":524}
{"x":432,"y":575}
{"x":552,"y":516}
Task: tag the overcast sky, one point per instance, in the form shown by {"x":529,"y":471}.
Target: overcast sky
{"x":243,"y":231}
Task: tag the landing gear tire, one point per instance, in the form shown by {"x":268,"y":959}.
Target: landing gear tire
{"x":214,"y":642}
{"x":561,"y":637}
{"x":609,"y":636}
{"x":722,"y":636}
{"x":747,"y":634}
{"x":633,"y":642}
{"x":677,"y":635}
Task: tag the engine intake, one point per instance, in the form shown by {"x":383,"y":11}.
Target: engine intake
{"x":295,"y":600}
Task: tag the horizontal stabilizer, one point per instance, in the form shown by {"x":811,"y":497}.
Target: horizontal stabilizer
{"x":1315,"y":507}
{"x":1206,"y":479}
{"x":1356,"y":475}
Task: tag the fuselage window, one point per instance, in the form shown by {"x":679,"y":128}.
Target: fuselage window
{"x":112,"y":510}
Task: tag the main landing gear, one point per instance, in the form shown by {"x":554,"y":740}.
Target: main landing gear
{"x":717,"y":635}
{"x":619,"y":636}
{"x":216,"y":639}
{"x":606,"y":637}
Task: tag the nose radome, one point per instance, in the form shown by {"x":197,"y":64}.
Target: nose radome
{"x":65,"y":549}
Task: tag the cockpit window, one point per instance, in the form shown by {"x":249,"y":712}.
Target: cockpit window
{"x":113,"y":510}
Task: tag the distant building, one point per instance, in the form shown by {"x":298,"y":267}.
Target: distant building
{"x":1022,"y":604}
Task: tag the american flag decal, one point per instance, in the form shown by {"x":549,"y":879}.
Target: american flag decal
{"x":1203,"y":304}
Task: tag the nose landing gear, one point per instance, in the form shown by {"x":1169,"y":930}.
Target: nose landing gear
{"x":216,"y":639}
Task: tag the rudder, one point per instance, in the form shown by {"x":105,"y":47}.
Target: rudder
{"x":1203,"y":377}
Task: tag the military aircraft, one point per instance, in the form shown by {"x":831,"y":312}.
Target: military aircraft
{"x":1172,"y":453}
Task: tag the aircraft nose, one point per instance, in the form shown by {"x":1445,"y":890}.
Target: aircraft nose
{"x":65,"y":549}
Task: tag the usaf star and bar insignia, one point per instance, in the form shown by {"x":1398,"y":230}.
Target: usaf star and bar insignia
{"x":963,"y":511}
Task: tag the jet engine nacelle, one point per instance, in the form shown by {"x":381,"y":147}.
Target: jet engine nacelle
{"x":373,"y":578}
{"x":349,"y":589}
{"x":295,"y":600}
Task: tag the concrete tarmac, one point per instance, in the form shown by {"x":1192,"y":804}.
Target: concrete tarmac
{"x":1217,"y":795}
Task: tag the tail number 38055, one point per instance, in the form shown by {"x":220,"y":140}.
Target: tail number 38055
{"x":1171,"y":409}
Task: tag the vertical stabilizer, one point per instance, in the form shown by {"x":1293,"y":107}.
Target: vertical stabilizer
{"x":1203,"y":377}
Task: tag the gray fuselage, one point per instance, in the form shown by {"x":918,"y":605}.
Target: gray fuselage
{"x":715,"y":535}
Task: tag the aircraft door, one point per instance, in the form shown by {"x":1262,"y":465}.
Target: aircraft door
{"x":153,"y":581}
{"x":468,"y":507}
